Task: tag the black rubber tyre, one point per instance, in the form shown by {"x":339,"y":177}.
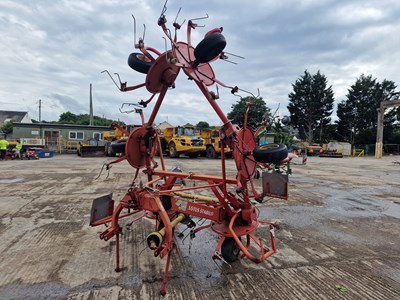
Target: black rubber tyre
{"x":229,"y":250}
{"x":110,"y":151}
{"x":229,"y":155}
{"x":163,"y":148}
{"x":270,"y":153}
{"x":106,"y":149}
{"x":257,"y":174}
{"x":136,"y":62}
{"x":193,"y":155}
{"x":285,"y":120}
{"x":117,"y":147}
{"x":172,"y":151}
{"x":210,"y":152}
{"x":209,"y":48}
{"x":295,"y":147}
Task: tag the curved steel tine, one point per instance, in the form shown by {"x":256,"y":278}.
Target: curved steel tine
{"x":234,"y":55}
{"x":177,"y":14}
{"x":121,"y":109}
{"x":165,"y":42}
{"x":111,"y":78}
{"x":248,"y":93}
{"x":276,"y":111}
{"x":134,"y":29}
{"x":101,"y":171}
{"x":120,"y":82}
{"x":164,"y":9}
{"x":229,"y":61}
{"x":201,"y":18}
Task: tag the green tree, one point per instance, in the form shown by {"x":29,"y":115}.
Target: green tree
{"x":68,"y":118}
{"x":202,"y":125}
{"x":283,"y":134}
{"x":357,"y":114}
{"x":7,"y":128}
{"x":83,"y":119}
{"x":310,"y":105}
{"x":257,"y":113}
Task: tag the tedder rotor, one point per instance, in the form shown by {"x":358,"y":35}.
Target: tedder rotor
{"x":231,"y":213}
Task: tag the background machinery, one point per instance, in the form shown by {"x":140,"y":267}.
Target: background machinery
{"x":212,"y":142}
{"x":181,"y":140}
{"x":115,"y":140}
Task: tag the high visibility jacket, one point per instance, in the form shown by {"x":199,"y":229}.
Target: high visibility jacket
{"x":18,"y":145}
{"x":3,"y":144}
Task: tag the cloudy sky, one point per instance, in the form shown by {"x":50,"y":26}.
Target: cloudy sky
{"x":52,"y":50}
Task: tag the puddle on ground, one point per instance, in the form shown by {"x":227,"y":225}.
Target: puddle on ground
{"x":14,"y":180}
{"x":393,"y":209}
{"x":340,"y":203}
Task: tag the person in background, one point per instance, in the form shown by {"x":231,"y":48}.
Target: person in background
{"x":18,"y":149}
{"x":3,"y":147}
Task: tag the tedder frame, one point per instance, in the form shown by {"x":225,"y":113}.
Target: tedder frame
{"x":231,"y":212}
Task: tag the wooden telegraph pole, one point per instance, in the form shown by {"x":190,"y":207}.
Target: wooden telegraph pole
{"x":91,"y":108}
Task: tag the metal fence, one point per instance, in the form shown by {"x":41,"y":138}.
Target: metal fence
{"x":369,"y":149}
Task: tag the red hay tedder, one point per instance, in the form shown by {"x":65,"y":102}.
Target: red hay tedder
{"x":163,"y":198}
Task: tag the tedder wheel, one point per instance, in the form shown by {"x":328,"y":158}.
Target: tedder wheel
{"x":139,"y":62}
{"x":172,"y":151}
{"x":270,"y":153}
{"x":210,"y":47}
{"x":116,"y":147}
{"x":229,"y":250}
{"x":210,"y":152}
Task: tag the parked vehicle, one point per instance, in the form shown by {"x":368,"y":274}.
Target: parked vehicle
{"x":181,"y":140}
{"x":91,"y":148}
{"x":115,"y":140}
{"x":313,"y":150}
{"x":31,"y":153}
{"x":212,"y":141}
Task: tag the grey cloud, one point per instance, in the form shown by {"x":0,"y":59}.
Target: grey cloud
{"x":54,"y":49}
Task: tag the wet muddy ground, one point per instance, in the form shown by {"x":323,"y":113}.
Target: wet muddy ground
{"x":339,"y":236}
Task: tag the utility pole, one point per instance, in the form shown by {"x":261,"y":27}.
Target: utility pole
{"x":40,"y":118}
{"x":40,"y":110}
{"x":91,"y":108}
